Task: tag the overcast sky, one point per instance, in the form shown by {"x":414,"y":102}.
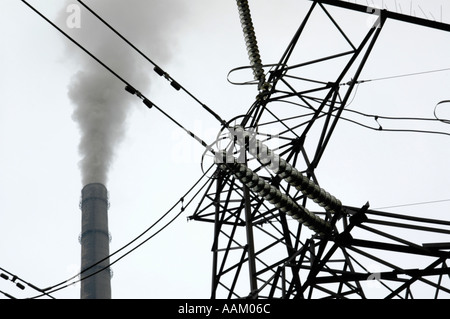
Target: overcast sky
{"x":197,"y":42}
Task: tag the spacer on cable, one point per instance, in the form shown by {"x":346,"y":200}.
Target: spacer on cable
{"x":148,"y":103}
{"x":158,"y":70}
{"x":130,"y":89}
{"x":175,"y":85}
{"x":20,"y":286}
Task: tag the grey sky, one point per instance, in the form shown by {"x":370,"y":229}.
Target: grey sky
{"x":156,"y":162}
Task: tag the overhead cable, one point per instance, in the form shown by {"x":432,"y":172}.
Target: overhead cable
{"x":128,"y":86}
{"x":397,"y":76}
{"x":176,"y":85}
{"x":415,"y":204}
{"x":70,"y":281}
{"x":76,"y":43}
{"x":446,"y":121}
{"x":20,"y":283}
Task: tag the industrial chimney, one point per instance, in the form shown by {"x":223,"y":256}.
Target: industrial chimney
{"x":95,"y":243}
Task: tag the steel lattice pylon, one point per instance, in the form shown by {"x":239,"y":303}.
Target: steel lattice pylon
{"x":277,"y":233}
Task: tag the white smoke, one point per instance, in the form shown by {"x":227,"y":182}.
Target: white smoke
{"x":101,"y":105}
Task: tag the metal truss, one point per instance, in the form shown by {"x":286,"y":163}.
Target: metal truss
{"x":277,"y":233}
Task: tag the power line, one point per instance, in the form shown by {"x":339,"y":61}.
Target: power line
{"x":128,"y":86}
{"x":399,"y":76}
{"x":416,"y":204}
{"x":435,"y":110}
{"x":149,"y":104}
{"x":139,"y":245}
{"x":69,"y":282}
{"x":392,"y":117}
{"x":7,"y":295}
{"x":176,"y":85}
{"x":380,"y":127}
{"x":376,"y":118}
{"x":76,"y":43}
{"x":20,"y":283}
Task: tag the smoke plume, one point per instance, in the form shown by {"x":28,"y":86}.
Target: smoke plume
{"x":101,"y":106}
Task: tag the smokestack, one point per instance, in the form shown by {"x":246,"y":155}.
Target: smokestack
{"x":95,"y":242}
{"x":101,"y":107}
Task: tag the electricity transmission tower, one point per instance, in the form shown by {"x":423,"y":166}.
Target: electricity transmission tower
{"x":278,"y":233}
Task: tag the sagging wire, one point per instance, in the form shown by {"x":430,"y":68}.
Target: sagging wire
{"x":377,"y":119}
{"x":69,"y":282}
{"x":20,"y":283}
{"x":435,"y":110}
{"x":129,"y":88}
{"x":253,"y":82}
{"x":7,"y":295}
